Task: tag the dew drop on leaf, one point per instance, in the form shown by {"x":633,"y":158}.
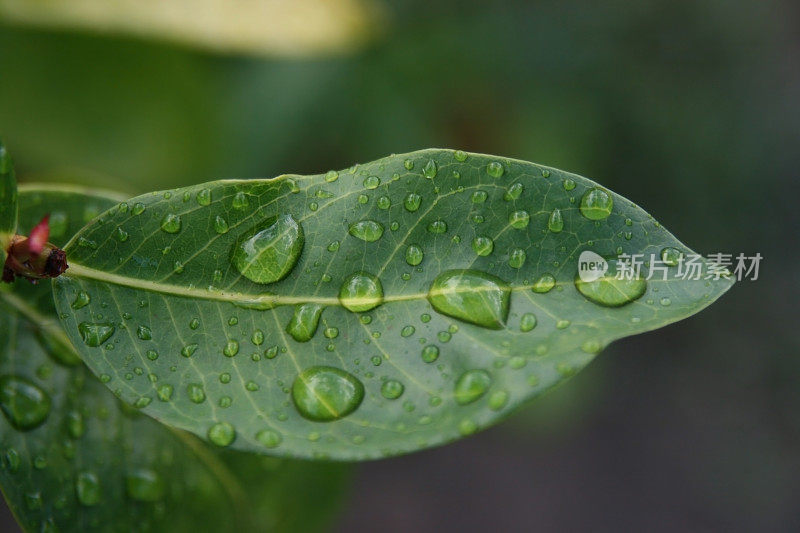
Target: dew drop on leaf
{"x":471,"y":385}
{"x":482,"y":246}
{"x":527,"y":322}
{"x":430,"y":169}
{"x":94,"y":334}
{"x":471,"y":296}
{"x":596,"y":204}
{"x":82,"y":299}
{"x":220,"y":225}
{"x":495,"y":169}
{"x":412,"y":202}
{"x":304,"y":322}
{"x":609,"y":291}
{"x":171,"y":223}
{"x":414,"y":255}
{"x":671,"y":256}
{"x":269,"y":438}
{"x":204,"y":197}
{"x":222,"y":434}
{"x":367,"y":230}
{"x":519,"y":219}
{"x":323,"y":393}
{"x":556,"y":222}
{"x":544,"y":284}
{"x":87,"y":488}
{"x":24,"y":403}
{"x":392,"y":389}
{"x":268,"y":254}
{"x":361,"y":292}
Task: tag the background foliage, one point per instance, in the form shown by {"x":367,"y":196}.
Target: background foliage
{"x":688,"y":108}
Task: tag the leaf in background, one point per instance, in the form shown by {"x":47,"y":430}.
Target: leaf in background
{"x":76,"y":458}
{"x":8,"y":202}
{"x":390,"y":307}
{"x":270,"y":27}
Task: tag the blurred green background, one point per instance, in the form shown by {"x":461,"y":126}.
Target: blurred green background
{"x":689,"y":108}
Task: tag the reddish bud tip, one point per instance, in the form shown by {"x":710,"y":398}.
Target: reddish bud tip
{"x":39,"y":236}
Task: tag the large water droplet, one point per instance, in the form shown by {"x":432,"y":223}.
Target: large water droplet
{"x":556,"y":222}
{"x":361,"y":292}
{"x":171,"y":223}
{"x":25,"y":404}
{"x":471,"y":296}
{"x":471,"y":385}
{"x":544,"y":284}
{"x":596,"y":204}
{"x":144,"y":485}
{"x":412,"y":202}
{"x":269,"y":254}
{"x":367,"y":230}
{"x":94,"y":334}
{"x":609,"y":291}
{"x":430,"y":169}
{"x":414,"y":255}
{"x":392,"y":389}
{"x":304,"y":322}
{"x":323,"y":393}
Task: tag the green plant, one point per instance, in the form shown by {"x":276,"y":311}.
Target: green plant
{"x":351,"y":315}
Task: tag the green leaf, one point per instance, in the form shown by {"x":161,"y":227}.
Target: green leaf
{"x":296,"y":28}
{"x":74,"y":458}
{"x":433,"y":292}
{"x":8,"y":202}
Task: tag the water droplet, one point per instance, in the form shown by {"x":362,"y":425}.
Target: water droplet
{"x":562,"y":324}
{"x":138,"y":208}
{"x":220,"y":225}
{"x":195,"y":392}
{"x":120,"y":234}
{"x":25,"y":405}
{"x":498,"y":400}
{"x":204,"y":197}
{"x":513,"y":192}
{"x":596,"y":204}
{"x":479,"y":197}
{"x":671,"y":256}
{"x":222,"y":434}
{"x":269,"y":438}
{"x":430,"y":169}
{"x":95,"y":334}
{"x":482,"y":246}
{"x":556,"y":221}
{"x":392,"y":389}
{"x":430,"y":353}
{"x":412,"y":202}
{"x":144,"y":485}
{"x":361,"y":292}
{"x":609,"y":291}
{"x":408,"y":164}
{"x":82,"y":299}
{"x":544,"y":284}
{"x":569,"y":184}
{"x":527,"y":322}
{"x":384,"y":203}
{"x":460,"y":156}
{"x":665,"y":301}
{"x":171,"y":223}
{"x":144,"y":333}
{"x":414,"y":255}
{"x":323,"y":393}
{"x":471,"y":385}
{"x":231,"y":348}
{"x":437,"y":226}
{"x":240,"y":200}
{"x":372,"y":182}
{"x":591,"y":346}
{"x":304,"y":322}
{"x":471,"y":296}
{"x":517,"y":258}
{"x":495,"y":169}
{"x":195,"y":323}
{"x":331,"y":176}
{"x":188,"y":350}
{"x":367,"y":230}
{"x":164,"y":392}
{"x":519,"y":219}
{"x":87,"y":488}
{"x":269,"y":254}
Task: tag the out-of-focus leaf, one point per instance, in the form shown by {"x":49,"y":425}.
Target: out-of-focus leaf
{"x":8,"y":202}
{"x":74,"y":458}
{"x":390,"y":307}
{"x":271,"y":27}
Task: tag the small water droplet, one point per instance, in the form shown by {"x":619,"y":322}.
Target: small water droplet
{"x":138,"y":208}
{"x":240,"y":201}
{"x":120,"y":234}
{"x":671,"y":256}
{"x":268,"y":255}
{"x":220,"y":225}
{"x":569,"y":184}
{"x":544,"y":284}
{"x":513,"y":192}
{"x":269,"y":438}
{"x":171,"y":223}
{"x":437,"y":226}
{"x":367,"y":230}
{"x":430,"y":353}
{"x":460,"y":156}
{"x":384,"y":202}
{"x":596,"y":204}
{"x":414,"y":255}
{"x":527,"y":322}
{"x":303,"y":324}
{"x":372,"y":182}
{"x":479,"y":197}
{"x":95,"y":334}
{"x":609,"y":291}
{"x":556,"y":221}
{"x":408,"y":164}
{"x":471,"y":385}
{"x":482,"y":246}
{"x":87,"y":488}
{"x":519,"y":219}
{"x":361,"y":292}
{"x":331,"y":176}
{"x":195,"y":392}
{"x":412,"y":202}
{"x":82,"y":299}
{"x":144,"y":333}
{"x":23,"y":402}
{"x":323,"y":393}
{"x":495,"y":169}
{"x":516,"y":258}
{"x":222,"y":434}
{"x":471,"y":296}
{"x":392,"y":389}
{"x":430,"y":169}
{"x":204,"y":197}
{"x":164,"y":392}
